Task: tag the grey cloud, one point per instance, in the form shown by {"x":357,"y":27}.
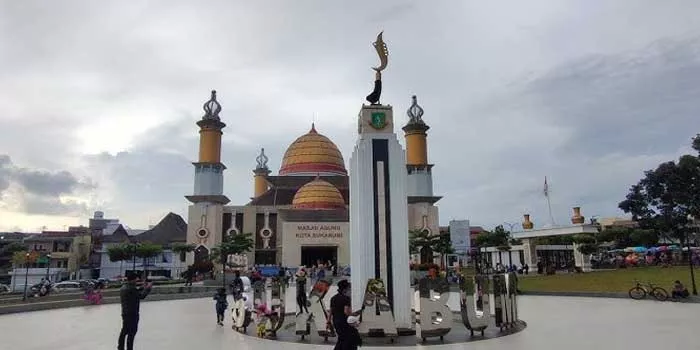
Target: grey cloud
{"x":39,"y":191}
{"x":592,"y":125}
{"x":78,"y":64}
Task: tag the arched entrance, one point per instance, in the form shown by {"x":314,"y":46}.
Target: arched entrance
{"x":201,"y":254}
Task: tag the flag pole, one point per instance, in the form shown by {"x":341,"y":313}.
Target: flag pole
{"x":549,"y":204}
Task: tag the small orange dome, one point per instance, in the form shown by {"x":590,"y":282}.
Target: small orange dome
{"x":312,"y":154}
{"x":318,"y":194}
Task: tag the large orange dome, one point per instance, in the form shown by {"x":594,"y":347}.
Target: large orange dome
{"x":318,"y":194}
{"x":312,"y":154}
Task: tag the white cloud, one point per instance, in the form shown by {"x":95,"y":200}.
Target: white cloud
{"x":589,"y":94}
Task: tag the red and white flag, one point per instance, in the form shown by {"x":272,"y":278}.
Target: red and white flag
{"x":546,"y":187}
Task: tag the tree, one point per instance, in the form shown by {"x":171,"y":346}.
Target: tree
{"x":499,"y":237}
{"x":182,"y":249}
{"x":119,"y":253}
{"x":666,"y":196}
{"x":146,"y":251}
{"x":19,"y":258}
{"x":232,"y":244}
{"x":9,"y":250}
{"x":443,"y":246}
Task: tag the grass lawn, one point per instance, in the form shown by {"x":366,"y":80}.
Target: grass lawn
{"x":619,"y":281}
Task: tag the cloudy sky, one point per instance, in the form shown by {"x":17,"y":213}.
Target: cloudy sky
{"x":98,"y":100}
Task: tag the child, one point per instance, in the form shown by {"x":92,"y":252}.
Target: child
{"x":221,"y":305}
{"x":263,"y":315}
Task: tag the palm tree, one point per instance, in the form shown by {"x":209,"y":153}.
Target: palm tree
{"x":233,"y":244}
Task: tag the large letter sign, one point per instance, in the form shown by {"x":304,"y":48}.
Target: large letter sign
{"x":275,"y":298}
{"x":435,"y":317}
{"x":241,"y":314}
{"x":318,"y":316}
{"x":513,"y":297}
{"x":471,"y":292}
{"x":377,"y":319}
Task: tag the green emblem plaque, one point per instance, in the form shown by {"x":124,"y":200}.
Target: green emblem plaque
{"x":378,"y":120}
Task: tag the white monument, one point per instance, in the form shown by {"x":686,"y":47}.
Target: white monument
{"x":378,"y":205}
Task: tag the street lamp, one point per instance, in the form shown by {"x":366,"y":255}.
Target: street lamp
{"x":48,"y":265}
{"x":510,"y":226}
{"x":690,"y":263}
{"x":690,"y":254}
{"x":26,"y":275}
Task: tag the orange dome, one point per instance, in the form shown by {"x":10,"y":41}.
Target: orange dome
{"x":312,"y":154}
{"x":318,"y":194}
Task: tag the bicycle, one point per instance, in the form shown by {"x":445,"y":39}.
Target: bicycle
{"x":641,"y":291}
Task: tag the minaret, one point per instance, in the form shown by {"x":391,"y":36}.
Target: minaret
{"x":260,"y":172}
{"x":420,"y":176}
{"x":208,"y":199}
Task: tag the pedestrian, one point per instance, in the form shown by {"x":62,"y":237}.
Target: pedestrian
{"x":131,"y":295}
{"x":340,"y":310}
{"x":237,"y":286}
{"x":301,"y":292}
{"x":221,"y":305}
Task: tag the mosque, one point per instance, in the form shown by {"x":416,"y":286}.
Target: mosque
{"x":301,"y":215}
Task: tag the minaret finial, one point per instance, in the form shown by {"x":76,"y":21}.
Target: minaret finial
{"x":262,"y":160}
{"x":212,"y":107}
{"x":415,"y":112}
{"x":313,"y":128}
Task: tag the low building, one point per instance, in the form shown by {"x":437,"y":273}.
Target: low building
{"x":57,"y":255}
{"x":170,"y":230}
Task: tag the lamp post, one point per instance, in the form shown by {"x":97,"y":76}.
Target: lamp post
{"x":48,"y":265}
{"x":26,"y":275}
{"x":690,"y":263}
{"x":690,"y":254}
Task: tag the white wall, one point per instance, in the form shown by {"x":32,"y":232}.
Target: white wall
{"x":167,"y":260}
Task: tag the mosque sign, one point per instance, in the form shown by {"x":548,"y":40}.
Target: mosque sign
{"x":316,"y":232}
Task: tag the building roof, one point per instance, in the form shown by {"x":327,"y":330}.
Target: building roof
{"x":318,"y":194}
{"x":118,"y":235}
{"x":172,"y":228}
{"x":283,"y":188}
{"x":312,"y":153}
{"x":302,"y":215}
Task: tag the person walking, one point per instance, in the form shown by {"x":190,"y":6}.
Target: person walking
{"x":301,"y":292}
{"x":221,"y":305}
{"x":340,"y":310}
{"x":131,"y":295}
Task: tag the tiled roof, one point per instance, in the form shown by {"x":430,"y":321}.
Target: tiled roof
{"x":172,"y":228}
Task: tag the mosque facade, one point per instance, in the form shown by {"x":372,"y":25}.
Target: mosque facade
{"x":301,"y":215}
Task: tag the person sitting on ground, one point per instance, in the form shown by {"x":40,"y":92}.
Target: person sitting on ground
{"x":679,"y":290}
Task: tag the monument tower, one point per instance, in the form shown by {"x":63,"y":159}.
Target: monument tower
{"x":378,"y":204}
{"x":204,"y":229}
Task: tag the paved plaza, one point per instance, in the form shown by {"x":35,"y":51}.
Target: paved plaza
{"x":553,"y":323}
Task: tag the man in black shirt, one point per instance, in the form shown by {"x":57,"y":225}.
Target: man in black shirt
{"x":131,"y":296}
{"x":348,"y":338}
{"x":237,"y":286}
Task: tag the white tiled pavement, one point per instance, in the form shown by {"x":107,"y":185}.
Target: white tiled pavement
{"x":553,"y":323}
